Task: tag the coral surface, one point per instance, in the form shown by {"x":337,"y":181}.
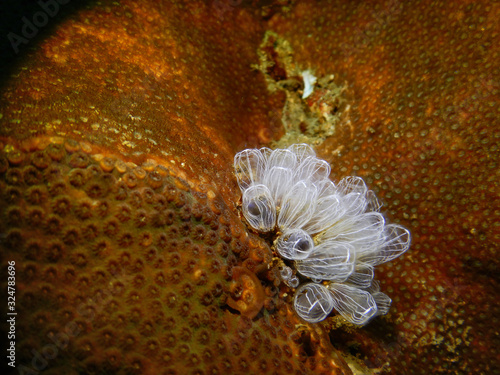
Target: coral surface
{"x":118,"y":128}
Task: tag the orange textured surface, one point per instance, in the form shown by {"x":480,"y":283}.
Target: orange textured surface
{"x":123,"y":269}
{"x":171,"y":89}
{"x":423,"y":131}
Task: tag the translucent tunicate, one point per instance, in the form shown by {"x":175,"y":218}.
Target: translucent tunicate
{"x":312,"y":169}
{"x":326,"y":213}
{"x":362,"y":276}
{"x":293,"y":282}
{"x":372,"y":202}
{"x":382,"y":300}
{"x":353,"y":192}
{"x":265,"y":151}
{"x":353,"y":204}
{"x":363,"y":232}
{"x":278,"y":180}
{"x":302,"y":151}
{"x":294,"y":244}
{"x":297,"y":206}
{"x":285,"y":272}
{"x":383,"y":303}
{"x":249,"y":166}
{"x":288,"y":277}
{"x":325,"y":188}
{"x":281,"y":158}
{"x":396,"y":241}
{"x":258,"y":208}
{"x":355,"y":305}
{"x":351,"y":184}
{"x":326,"y":262}
{"x":313,"y":302}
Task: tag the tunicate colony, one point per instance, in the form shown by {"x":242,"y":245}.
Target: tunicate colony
{"x":333,"y":233}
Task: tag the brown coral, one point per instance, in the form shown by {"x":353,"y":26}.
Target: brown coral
{"x":113,"y":292}
{"x":162,"y":98}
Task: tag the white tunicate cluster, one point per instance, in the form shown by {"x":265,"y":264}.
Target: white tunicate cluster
{"x":333,"y":233}
{"x":288,"y":277}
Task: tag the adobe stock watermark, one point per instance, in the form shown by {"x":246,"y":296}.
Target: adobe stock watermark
{"x":38,"y":20}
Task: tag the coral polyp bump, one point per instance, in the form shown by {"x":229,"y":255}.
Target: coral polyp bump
{"x":333,"y":233}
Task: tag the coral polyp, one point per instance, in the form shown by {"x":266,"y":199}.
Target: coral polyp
{"x":333,"y":233}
